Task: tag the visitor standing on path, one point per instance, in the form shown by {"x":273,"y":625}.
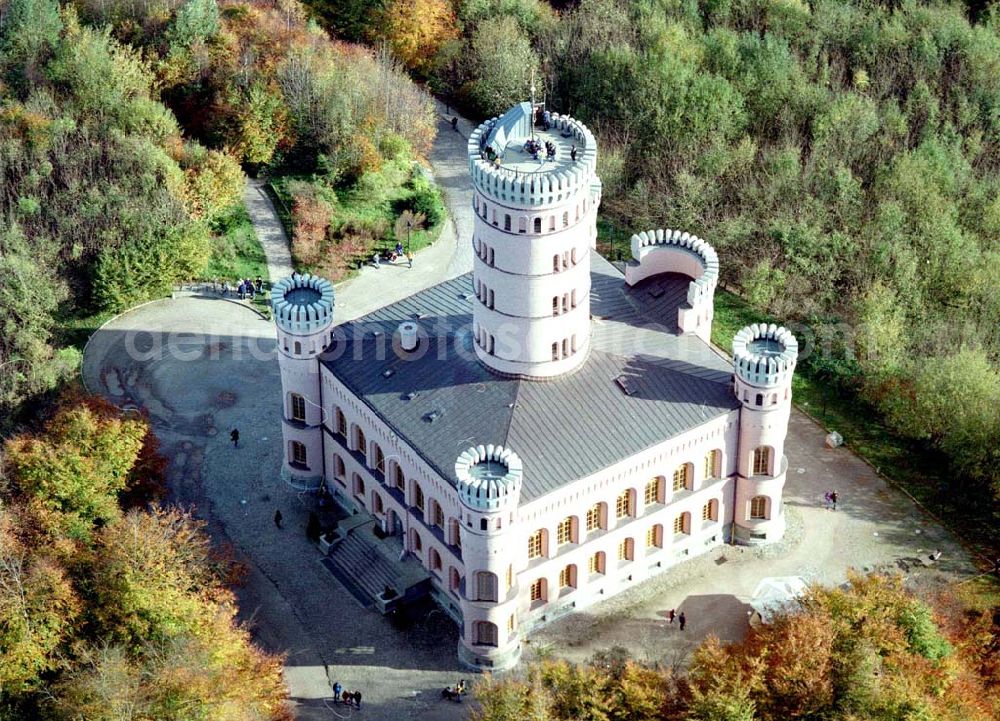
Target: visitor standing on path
{"x":357,"y":699}
{"x":670,"y":616}
{"x":682,"y":620}
{"x":409,"y":259}
{"x":235,"y":437}
{"x":833,"y":499}
{"x":277,"y":518}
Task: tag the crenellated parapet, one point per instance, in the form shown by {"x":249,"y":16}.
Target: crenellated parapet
{"x":488,"y":478}
{"x":538,"y":188}
{"x":764,"y":356}
{"x":302,"y":304}
{"x":672,"y":251}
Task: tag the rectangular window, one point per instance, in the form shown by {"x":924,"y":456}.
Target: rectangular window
{"x":490,"y":301}
{"x":564,"y":532}
{"x":653,"y":537}
{"x":706,"y":512}
{"x":535,"y":544}
{"x":555,"y":305}
{"x":596,"y":563}
{"x":418,"y":496}
{"x":555,"y":351}
{"x":594,"y":517}
{"x":566,"y":577}
{"x":506,"y":222}
{"x":623,"y":504}
{"x":510,"y":577}
{"x":298,"y":453}
{"x":758,"y":507}
{"x":537,"y":589}
{"x":679,"y":524}
{"x":510,"y":624}
{"x":438,"y":519}
{"x":341,"y":424}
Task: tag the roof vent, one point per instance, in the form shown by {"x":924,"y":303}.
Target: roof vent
{"x":408,"y":336}
{"x":626,"y":384}
{"x":387,"y":373}
{"x":410,"y":396}
{"x":433,"y":416}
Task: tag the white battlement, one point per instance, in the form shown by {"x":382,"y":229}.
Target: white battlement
{"x":702,"y":287}
{"x":765,"y":355}
{"x":302,"y":304}
{"x":489,"y":477}
{"x":546,"y":185}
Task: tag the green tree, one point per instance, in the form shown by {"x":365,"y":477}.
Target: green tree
{"x":29,"y":32}
{"x":501,"y":60}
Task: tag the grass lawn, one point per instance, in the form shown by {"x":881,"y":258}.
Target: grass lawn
{"x":236,"y":252}
{"x":921,"y":471}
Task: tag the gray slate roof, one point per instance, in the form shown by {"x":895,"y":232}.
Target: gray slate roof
{"x":563,"y":429}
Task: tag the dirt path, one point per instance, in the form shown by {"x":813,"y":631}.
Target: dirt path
{"x":270,"y":232}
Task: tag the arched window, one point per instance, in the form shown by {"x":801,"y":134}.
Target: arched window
{"x":572,"y":256}
{"x":377,"y":504}
{"x":297,"y":454}
{"x":360,"y":442}
{"x":538,"y":225}
{"x":566,"y":219}
{"x":654,"y":536}
{"x":555,"y":263}
{"x":536,"y":544}
{"x":416,"y":543}
{"x":486,"y":586}
{"x":338,"y":467}
{"x":762,"y":461}
{"x":435,"y":558}
{"x":555,"y":351}
{"x":454,"y":532}
{"x":595,"y":564}
{"x":297,"y":407}
{"x":359,"y":486}
{"x":624,"y":506}
{"x":437,"y":515}
{"x":654,"y":491}
{"x":555,"y":305}
{"x":484,"y":524}
{"x":712,"y":464}
{"x":297,"y":347}
{"x":758,"y":507}
{"x":682,"y":523}
{"x":567,"y":576}
{"x":378,"y":457}
{"x":774,"y":399}
{"x":760,"y":399}
{"x":400,"y":481}
{"x":418,"y":496}
{"x":596,"y":517}
{"x":552,"y":223}
{"x":566,"y":531}
{"x":506,"y":221}
{"x":341,"y":423}
{"x":710,"y":511}
{"x":682,"y":477}
{"x":484,"y":633}
{"x":522,"y":224}
{"x":454,"y":579}
{"x":626,"y":550}
{"x":539,"y":591}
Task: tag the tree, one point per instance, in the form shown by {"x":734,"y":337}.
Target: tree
{"x":71,"y":474}
{"x":416,"y":30}
{"x":29,"y":31}
{"x":501,"y":60}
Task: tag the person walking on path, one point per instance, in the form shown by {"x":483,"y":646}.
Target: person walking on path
{"x":682,"y":620}
{"x":454,"y":123}
{"x":409,"y":259}
{"x":357,"y":699}
{"x":826,"y":500}
{"x":235,"y":437}
{"x":346,"y":697}
{"x":833,"y":499}
{"x":337,"y":688}
{"x":277,"y":518}
{"x":670,"y":616}
{"x":375,"y":259}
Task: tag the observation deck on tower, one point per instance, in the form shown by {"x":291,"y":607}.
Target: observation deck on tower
{"x":502,"y":165}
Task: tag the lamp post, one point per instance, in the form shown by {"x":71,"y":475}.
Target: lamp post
{"x":409,"y":227}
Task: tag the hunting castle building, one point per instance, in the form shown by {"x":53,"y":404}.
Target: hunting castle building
{"x":549,"y":429}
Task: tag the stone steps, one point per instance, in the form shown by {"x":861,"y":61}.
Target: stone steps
{"x":363,"y":564}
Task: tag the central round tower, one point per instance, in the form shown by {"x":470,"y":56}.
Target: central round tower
{"x":535,"y":223}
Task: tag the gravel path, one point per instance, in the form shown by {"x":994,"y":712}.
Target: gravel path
{"x":270,"y":232}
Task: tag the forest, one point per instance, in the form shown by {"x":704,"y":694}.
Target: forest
{"x":843,"y":156}
{"x":865,"y":651}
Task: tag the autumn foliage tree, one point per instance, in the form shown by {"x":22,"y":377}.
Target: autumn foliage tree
{"x":107,"y":614}
{"x":417,"y":29}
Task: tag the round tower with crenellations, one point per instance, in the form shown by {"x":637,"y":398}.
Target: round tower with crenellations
{"x":535,"y":224}
{"x":488,"y":480}
{"x":764,"y":358}
{"x":303,"y":314}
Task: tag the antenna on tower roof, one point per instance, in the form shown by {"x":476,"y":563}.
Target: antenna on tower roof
{"x":532,"y":120}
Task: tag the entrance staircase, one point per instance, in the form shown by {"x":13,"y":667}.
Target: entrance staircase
{"x":366,"y":565}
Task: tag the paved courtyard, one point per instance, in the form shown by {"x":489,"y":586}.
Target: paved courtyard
{"x":202,"y":366}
